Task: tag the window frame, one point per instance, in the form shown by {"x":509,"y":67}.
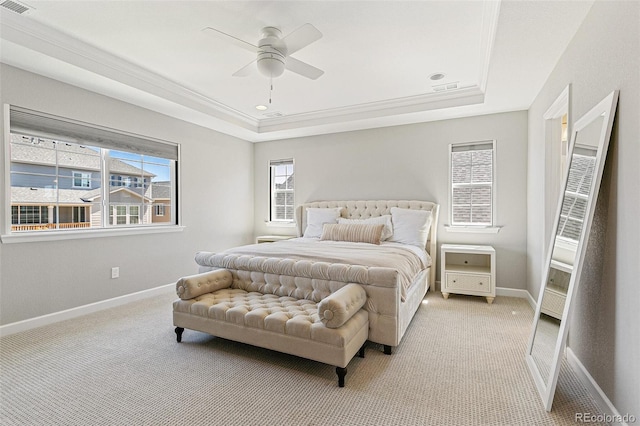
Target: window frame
{"x":9,"y":236}
{"x":159,"y":209}
{"x":30,"y":214}
{"x":273,"y":191}
{"x":79,"y":213}
{"x":471,"y":226}
{"x":84,"y":177}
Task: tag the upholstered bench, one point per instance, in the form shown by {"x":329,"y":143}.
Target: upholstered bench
{"x":330,"y":331}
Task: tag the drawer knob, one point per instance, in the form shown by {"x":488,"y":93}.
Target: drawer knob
{"x":480,"y":282}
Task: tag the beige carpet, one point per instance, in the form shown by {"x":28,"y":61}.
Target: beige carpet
{"x":460,"y":363}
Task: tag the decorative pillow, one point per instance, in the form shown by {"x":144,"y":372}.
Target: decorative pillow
{"x":337,"y":308}
{"x":352,"y":232}
{"x":316,"y":217}
{"x":410,"y":226}
{"x":385,"y":220}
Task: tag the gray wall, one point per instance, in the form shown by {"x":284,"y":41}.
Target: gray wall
{"x":39,"y":278}
{"x":409,"y":162}
{"x":602,"y":56}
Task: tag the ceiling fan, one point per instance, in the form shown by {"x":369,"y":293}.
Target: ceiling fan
{"x":273,"y":51}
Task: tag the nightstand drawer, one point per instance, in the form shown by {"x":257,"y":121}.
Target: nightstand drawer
{"x":469,"y":282}
{"x":553,"y":303}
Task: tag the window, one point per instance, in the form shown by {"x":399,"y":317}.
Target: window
{"x":28,"y":214}
{"x":472,"y":183}
{"x":79,"y":214}
{"x":115,"y":180}
{"x":118,"y":215}
{"x":281,"y":184}
{"x":81,"y":180}
{"x":159,"y":209}
{"x":576,"y":196}
{"x":57,"y":168}
{"x":134,"y":214}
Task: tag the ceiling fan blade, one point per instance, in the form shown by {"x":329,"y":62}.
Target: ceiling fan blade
{"x":303,"y":36}
{"x":240,"y":43}
{"x":246,"y":70}
{"x":302,"y":68}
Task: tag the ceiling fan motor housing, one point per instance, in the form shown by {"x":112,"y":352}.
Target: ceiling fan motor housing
{"x":272,"y":53}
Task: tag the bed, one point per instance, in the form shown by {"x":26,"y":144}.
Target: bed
{"x":387,"y":246}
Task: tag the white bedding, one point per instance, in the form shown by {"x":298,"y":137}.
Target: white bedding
{"x":406,"y":259}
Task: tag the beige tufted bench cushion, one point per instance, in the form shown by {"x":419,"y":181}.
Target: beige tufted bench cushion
{"x":281,"y":323}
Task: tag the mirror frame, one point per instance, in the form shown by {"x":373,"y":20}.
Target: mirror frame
{"x":547,"y":386}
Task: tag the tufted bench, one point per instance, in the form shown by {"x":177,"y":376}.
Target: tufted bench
{"x":331,"y":331}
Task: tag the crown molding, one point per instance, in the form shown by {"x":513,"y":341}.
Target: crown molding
{"x":490,"y":13}
{"x":34,"y":36}
{"x":103,"y":72}
{"x":400,"y":106}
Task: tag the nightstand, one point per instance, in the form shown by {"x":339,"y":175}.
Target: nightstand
{"x":555,"y":293}
{"x":271,"y":238}
{"x":468,"y":269}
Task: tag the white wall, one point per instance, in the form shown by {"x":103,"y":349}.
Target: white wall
{"x":217,"y":208}
{"x":603,"y":56}
{"x":409,"y":162}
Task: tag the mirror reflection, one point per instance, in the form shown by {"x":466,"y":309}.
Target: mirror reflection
{"x":566,"y":252}
{"x":570,"y":224}
{"x":571,"y":219}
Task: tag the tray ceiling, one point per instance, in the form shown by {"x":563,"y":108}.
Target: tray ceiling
{"x":377,"y":58}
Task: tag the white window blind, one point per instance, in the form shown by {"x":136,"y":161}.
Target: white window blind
{"x":574,"y":203}
{"x":472,"y":182}
{"x":282,"y":190}
{"x":49,"y":126}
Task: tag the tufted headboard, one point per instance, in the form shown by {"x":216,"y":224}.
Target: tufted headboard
{"x":367,"y":209}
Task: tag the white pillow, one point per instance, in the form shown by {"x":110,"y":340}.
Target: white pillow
{"x":410,"y":226}
{"x":316,"y":217}
{"x":385,"y":220}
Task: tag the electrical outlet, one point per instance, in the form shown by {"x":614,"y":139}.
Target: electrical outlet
{"x":115,"y":272}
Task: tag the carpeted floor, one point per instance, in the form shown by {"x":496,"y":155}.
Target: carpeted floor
{"x":460,"y":363}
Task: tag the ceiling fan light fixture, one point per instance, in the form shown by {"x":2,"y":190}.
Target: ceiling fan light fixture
{"x":272,"y":53}
{"x":271,"y":64}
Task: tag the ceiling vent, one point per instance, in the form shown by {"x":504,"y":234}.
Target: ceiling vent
{"x":447,"y":86}
{"x":16,"y":7}
{"x":274,"y":114}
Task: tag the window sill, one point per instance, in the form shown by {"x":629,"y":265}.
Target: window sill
{"x":280,"y":224}
{"x":32,"y":237}
{"x":473,"y":229}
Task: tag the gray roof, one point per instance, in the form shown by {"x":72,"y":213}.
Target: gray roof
{"x":43,"y":151}
{"x":161,"y":190}
{"x":94,"y":194}
{"x":26,"y":195}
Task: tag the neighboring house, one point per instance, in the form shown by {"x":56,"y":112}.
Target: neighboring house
{"x":161,"y":194}
{"x":57,"y":185}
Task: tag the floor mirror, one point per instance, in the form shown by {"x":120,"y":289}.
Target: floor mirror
{"x":561,"y":274}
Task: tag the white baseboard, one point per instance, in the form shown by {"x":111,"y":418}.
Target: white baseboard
{"x":610,"y":412}
{"x":28,"y":324}
{"x":508,"y":292}
{"x":515,"y":292}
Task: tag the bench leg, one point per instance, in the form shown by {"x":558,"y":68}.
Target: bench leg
{"x":179,"y":331}
{"x":387,"y":350}
{"x":341,"y":372}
